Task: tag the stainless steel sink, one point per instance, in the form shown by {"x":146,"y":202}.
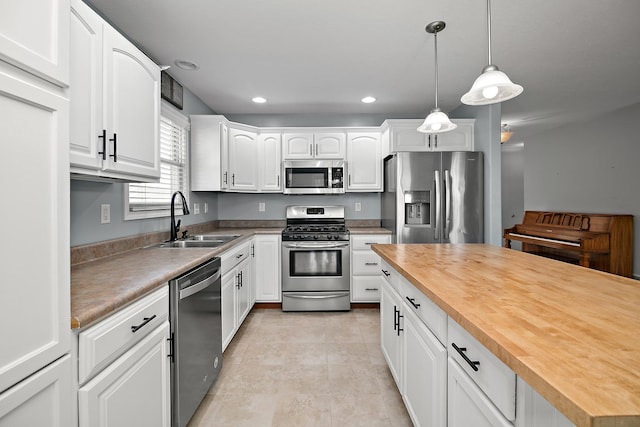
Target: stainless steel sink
{"x":201,"y":241}
{"x":224,"y":238}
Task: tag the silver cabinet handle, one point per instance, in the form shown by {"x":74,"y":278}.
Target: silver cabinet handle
{"x":370,"y":289}
{"x":370,"y":263}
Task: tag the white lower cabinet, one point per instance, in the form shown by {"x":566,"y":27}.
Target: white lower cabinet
{"x":391,"y":331}
{"x":132,"y":391}
{"x":266,"y":257}
{"x":467,"y":404}
{"x":534,"y":411}
{"x":237,"y":290}
{"x":365,"y":267}
{"x":124,"y":366}
{"x":43,"y":399}
{"x":425,"y":374}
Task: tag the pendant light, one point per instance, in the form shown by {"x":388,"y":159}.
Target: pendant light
{"x":505,"y":133}
{"x":436,"y":121}
{"x":492,"y":86}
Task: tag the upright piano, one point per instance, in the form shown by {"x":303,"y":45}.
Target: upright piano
{"x":600,"y":241}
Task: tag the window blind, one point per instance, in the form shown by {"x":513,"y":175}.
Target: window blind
{"x":173,"y":171}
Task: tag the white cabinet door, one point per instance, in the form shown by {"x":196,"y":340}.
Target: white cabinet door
{"x":270,"y":162}
{"x":459,"y":139}
{"x":404,"y":136}
{"x":85,"y":94}
{"x":35,"y":131}
{"x":329,"y":145}
{"x":229,"y":307}
{"x":34,"y":36}
{"x":243,"y":159}
{"x":364,"y":161}
{"x":467,"y":404}
{"x":297,"y":146}
{"x":208,"y":134}
{"x":132,"y":391}
{"x":267,"y":251}
{"x":42,"y":400}
{"x":424,"y":374}
{"x":132,"y":108}
{"x":243,"y":289}
{"x":391,"y":324}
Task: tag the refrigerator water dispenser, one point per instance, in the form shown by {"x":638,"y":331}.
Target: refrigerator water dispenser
{"x":417,"y":208}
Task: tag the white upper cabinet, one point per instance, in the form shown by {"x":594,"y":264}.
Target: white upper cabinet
{"x":243,"y":158}
{"x":270,"y":162}
{"x":208,"y":133}
{"x":364,"y":161}
{"x":115,"y":102}
{"x":404,"y":136}
{"x":318,"y":144}
{"x":34,"y":36}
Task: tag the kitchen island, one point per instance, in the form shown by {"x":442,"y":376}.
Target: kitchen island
{"x":571,"y":333}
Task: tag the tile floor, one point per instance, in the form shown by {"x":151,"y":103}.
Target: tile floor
{"x":304,"y":369}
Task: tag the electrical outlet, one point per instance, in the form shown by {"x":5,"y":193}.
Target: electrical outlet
{"x":358,"y":206}
{"x":105,"y":214}
{"x":206,"y":207}
{"x":261,"y":207}
{"x":196,"y":208}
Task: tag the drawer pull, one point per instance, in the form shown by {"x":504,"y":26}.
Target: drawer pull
{"x":239,"y":256}
{"x":412,"y":301}
{"x":461,"y":351}
{"x":145,"y":321}
{"x":386,"y":273}
{"x":370,"y":263}
{"x":370,"y":289}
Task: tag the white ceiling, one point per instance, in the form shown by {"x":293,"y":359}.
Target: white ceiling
{"x":574,"y":58}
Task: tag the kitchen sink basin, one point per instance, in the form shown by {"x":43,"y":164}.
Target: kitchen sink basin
{"x":213,"y":237}
{"x":201,"y":241}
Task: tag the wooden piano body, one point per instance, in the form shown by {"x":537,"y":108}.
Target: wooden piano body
{"x":600,"y":241}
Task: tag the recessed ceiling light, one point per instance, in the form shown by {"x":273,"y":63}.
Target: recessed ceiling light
{"x":368,"y":99}
{"x":259,"y":100}
{"x":186,"y":65}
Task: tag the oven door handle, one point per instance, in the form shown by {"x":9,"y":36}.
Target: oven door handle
{"x":187,"y":292}
{"x":303,"y":296}
{"x":318,"y":246}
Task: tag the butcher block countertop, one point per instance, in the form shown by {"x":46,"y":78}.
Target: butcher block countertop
{"x":572,"y":333}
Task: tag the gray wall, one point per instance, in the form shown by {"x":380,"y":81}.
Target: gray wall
{"x":587,"y":167}
{"x":512,"y":186}
{"x":245,"y":206}
{"x":487,"y":140}
{"x":87,"y":196}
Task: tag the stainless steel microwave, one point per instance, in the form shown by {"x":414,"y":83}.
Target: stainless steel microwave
{"x":313,"y":176}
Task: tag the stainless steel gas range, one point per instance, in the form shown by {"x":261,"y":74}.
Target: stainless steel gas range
{"x":315,"y":259}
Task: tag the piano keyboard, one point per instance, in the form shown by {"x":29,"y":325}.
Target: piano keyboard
{"x":563,"y":242}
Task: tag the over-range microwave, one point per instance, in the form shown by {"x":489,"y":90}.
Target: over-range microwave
{"x":313,"y":176}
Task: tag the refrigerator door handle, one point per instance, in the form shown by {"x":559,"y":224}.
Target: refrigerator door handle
{"x":447,"y":204}
{"x":438,"y":205}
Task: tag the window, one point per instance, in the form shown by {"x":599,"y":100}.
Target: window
{"x":154,"y":199}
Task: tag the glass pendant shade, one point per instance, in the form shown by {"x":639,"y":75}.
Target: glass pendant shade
{"x":492,"y":86}
{"x":437,"y":122}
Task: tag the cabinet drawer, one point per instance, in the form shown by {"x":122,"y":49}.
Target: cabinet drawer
{"x":234,"y":256}
{"x":102,"y":343}
{"x":493,"y":377}
{"x":431,"y":315}
{"x":366,"y":288}
{"x":365,"y":263}
{"x":391,"y":276}
{"x":365,"y":241}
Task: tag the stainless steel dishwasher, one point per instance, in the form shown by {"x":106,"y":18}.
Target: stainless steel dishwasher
{"x":196,"y":338}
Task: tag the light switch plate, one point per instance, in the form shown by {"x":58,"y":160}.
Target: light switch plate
{"x":206,"y":207}
{"x":196,"y":208}
{"x":261,"y":207}
{"x":105,"y":214}
{"x":358,"y":206}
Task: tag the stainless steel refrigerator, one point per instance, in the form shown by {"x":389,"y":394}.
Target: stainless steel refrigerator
{"x":434,"y":197}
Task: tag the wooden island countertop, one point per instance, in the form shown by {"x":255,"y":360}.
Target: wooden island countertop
{"x":570,"y":332}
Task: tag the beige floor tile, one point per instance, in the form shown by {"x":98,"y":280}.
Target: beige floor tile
{"x":304,"y":369}
{"x":302,"y":410}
